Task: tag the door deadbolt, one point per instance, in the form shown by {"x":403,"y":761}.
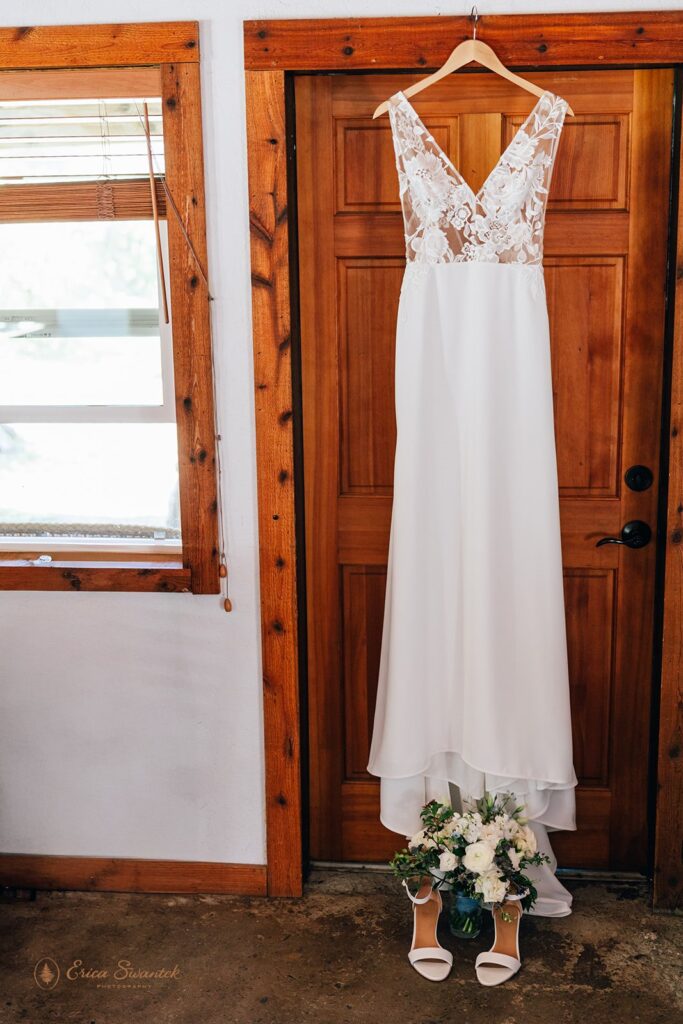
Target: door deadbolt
{"x":638,"y":478}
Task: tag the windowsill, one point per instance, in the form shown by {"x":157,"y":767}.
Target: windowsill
{"x":80,"y":575}
{"x":25,"y":548}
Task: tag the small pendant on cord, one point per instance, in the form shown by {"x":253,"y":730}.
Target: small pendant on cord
{"x":223,"y":574}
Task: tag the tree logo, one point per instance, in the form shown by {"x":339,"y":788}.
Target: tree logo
{"x":46,"y":973}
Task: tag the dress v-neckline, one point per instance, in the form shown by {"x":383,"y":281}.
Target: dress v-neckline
{"x":476,"y":196}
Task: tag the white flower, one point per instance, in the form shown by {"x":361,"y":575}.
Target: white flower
{"x":515,"y":857}
{"x":529,"y":840}
{"x":492,"y":833}
{"x":525,"y":841}
{"x":491,"y":886}
{"x":478,"y":857}
{"x":447,"y":861}
{"x":417,"y":840}
{"x":508,"y":826}
{"x":470,"y":827}
{"x":428,"y":843}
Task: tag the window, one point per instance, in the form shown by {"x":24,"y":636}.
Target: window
{"x":100,"y":486}
{"x":88,"y":452}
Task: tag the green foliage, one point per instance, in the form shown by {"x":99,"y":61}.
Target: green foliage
{"x":496,"y":825}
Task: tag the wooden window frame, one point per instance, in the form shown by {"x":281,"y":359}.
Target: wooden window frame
{"x":173,"y":47}
{"x":272,"y":51}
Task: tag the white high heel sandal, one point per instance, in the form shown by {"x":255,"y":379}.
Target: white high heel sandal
{"x":502,"y":961}
{"x":426,"y":954}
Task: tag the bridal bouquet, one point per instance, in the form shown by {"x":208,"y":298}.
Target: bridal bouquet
{"x":481,"y":854}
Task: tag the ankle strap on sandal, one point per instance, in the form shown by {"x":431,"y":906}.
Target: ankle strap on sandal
{"x":417,"y":899}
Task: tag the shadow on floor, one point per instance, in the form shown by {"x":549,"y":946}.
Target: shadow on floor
{"x":337,"y":955}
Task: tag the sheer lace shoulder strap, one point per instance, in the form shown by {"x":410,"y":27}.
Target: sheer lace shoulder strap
{"x":537,"y":144}
{"x":429,"y":185}
{"x":515,"y":195}
{"x":405,"y":131}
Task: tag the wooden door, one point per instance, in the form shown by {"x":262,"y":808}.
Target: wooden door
{"x":605,"y":265}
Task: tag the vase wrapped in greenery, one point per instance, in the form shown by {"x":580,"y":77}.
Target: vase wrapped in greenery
{"x":481,"y":854}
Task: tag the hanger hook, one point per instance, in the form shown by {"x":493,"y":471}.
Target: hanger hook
{"x":474,"y":18}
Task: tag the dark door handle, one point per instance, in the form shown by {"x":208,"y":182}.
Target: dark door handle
{"x":635,"y":534}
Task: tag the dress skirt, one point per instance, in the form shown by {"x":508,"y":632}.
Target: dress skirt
{"x":473,"y":682}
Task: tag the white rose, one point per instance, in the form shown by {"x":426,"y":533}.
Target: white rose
{"x":428,"y":843}
{"x":447,"y":861}
{"x":417,"y":840}
{"x":529,"y":840}
{"x":478,"y":857}
{"x":491,"y":886}
{"x":508,"y":826}
{"x":492,"y":833}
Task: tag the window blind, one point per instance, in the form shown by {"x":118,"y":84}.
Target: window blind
{"x":78,"y":159}
{"x":87,"y":200}
{"x":77,"y":140}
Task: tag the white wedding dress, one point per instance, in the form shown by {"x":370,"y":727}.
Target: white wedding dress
{"x":473,"y":683}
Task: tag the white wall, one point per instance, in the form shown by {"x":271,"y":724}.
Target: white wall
{"x":130,"y":724}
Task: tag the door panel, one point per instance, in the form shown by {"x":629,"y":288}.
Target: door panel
{"x":605,"y":266}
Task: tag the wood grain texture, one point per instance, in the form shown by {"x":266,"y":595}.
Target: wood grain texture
{"x":81,"y":46}
{"x":94,"y":575}
{"x":72,"y":84}
{"x":275,"y":461}
{"x":633,"y":38}
{"x":668,"y":858}
{"x":321,"y":421}
{"x":363,"y":589}
{"x":83,"y":200}
{"x":606,"y":358}
{"x":121,"y":45}
{"x":644,"y":328}
{"x":366,"y":840}
{"x":192,"y":365}
{"x":382,"y":235}
{"x":519,"y":40}
{"x":117,"y":874}
{"x":480,"y":92}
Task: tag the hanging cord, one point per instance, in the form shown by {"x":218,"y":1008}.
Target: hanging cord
{"x":155,"y":214}
{"x":157,"y":175}
{"x":105,"y":140}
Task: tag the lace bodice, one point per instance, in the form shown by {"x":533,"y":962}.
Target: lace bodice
{"x":445,"y":221}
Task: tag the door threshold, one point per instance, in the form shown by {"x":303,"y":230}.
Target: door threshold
{"x":576,"y":874}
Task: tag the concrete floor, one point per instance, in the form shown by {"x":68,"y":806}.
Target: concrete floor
{"x":338,"y":955}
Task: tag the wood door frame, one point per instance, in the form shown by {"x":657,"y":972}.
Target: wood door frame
{"x":273,"y":50}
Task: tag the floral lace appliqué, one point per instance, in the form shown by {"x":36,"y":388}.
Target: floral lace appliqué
{"x":446,"y":222}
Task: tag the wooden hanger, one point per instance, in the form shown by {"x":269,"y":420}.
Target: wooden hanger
{"x":470,"y":50}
